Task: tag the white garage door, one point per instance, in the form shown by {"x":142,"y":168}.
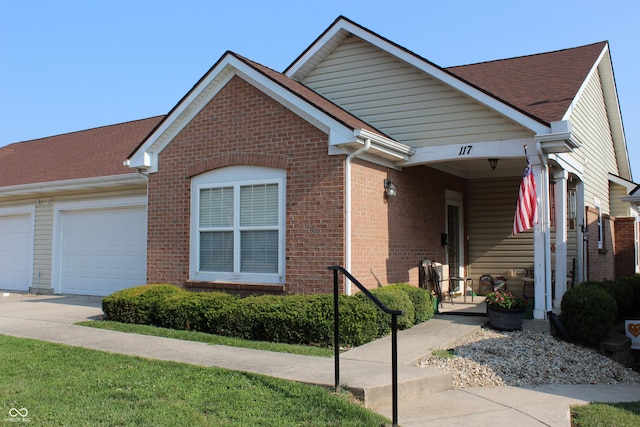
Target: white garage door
{"x":15,"y":252}
{"x":103,"y":250}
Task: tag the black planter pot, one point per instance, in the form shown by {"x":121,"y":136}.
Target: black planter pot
{"x":505,"y":319}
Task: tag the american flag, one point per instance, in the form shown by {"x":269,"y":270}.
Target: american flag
{"x":527,"y":208}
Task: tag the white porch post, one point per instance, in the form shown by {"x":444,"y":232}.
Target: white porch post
{"x":542,"y":244}
{"x":561,"y":236}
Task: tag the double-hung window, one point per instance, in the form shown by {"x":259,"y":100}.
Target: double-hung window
{"x":238,"y":225}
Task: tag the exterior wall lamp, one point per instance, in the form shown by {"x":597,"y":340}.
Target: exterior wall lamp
{"x":493,"y":163}
{"x":389,"y":188}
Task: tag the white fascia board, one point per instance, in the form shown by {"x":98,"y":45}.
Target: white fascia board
{"x":338,"y":132}
{"x":73,"y":184}
{"x":417,"y":62}
{"x":513,"y":148}
{"x":584,"y":85}
{"x":628,"y":185}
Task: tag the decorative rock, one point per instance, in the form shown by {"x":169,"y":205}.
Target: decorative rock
{"x":491,"y":358}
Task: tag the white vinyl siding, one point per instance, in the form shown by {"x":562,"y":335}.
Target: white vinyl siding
{"x":492,"y":249}
{"x":402,"y":101}
{"x":591,"y":126}
{"x":238,"y":213}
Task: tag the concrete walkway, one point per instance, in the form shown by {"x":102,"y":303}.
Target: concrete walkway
{"x":425,"y":395}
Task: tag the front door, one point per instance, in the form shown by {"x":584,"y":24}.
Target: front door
{"x":455,"y":243}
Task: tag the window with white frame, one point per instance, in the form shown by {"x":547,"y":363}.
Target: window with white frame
{"x":237,"y":216}
{"x":600,"y":224}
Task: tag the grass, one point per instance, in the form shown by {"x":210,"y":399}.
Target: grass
{"x":71,"y":386}
{"x":443,"y":354}
{"x":606,"y":415}
{"x":208,"y":338}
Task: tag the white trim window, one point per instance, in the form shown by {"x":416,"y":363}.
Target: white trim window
{"x":237,"y":225}
{"x":599,"y":223}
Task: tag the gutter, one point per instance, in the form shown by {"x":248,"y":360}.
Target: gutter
{"x":72,"y":184}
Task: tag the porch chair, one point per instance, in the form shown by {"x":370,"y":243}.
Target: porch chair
{"x":437,"y":274}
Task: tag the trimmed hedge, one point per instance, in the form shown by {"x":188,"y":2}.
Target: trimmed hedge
{"x":392,"y":298}
{"x":295,"y":319}
{"x":422,"y":301}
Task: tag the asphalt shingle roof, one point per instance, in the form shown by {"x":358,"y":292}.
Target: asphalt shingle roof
{"x":542,"y":85}
{"x":85,"y":154}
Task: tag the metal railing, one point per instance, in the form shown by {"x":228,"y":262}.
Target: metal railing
{"x":394,"y":334}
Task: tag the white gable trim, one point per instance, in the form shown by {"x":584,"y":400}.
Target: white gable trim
{"x":297,"y":70}
{"x":228,"y":67}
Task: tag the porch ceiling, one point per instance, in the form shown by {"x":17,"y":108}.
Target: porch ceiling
{"x":480,"y":168}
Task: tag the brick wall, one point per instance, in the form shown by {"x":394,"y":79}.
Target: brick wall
{"x":600,"y":262}
{"x":625,"y":251}
{"x":391,"y":235}
{"x":241,"y":125}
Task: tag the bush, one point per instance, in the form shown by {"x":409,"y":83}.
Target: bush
{"x":394,"y":299}
{"x":357,"y":321}
{"x":588,"y":313}
{"x":295,"y":319}
{"x":139,"y":304}
{"x":633,"y":282}
{"x":421,"y":298}
{"x":190,"y":310}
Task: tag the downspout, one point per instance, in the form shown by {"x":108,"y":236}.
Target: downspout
{"x":350,"y":157}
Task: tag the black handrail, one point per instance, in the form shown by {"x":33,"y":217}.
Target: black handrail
{"x":394,"y":334}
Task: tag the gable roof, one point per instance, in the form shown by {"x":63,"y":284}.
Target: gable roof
{"x":342,"y":27}
{"x":92,"y":153}
{"x":341,"y":126}
{"x":544,"y":85}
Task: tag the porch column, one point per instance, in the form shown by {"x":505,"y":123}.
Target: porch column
{"x":541,"y":244}
{"x":581,"y":268}
{"x":561,"y":236}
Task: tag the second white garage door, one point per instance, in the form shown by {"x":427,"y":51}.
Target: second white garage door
{"x":103,"y":250}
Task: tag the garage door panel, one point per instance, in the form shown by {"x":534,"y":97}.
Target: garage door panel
{"x":16,"y":255}
{"x":103,"y":250}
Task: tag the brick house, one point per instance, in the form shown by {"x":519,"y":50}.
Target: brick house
{"x":258,"y":180}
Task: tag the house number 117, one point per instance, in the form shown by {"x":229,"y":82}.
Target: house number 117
{"x":464,"y":150}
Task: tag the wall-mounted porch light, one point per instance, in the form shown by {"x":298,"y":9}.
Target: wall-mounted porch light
{"x":493,"y":163}
{"x":389,"y":188}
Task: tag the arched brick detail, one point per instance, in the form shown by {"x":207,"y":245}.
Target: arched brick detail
{"x":238,"y":158}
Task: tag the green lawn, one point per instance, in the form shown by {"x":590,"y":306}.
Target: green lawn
{"x":208,"y":338}
{"x":625,"y":414}
{"x":71,"y":386}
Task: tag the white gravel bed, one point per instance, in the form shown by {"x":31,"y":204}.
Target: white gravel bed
{"x":492,"y":358}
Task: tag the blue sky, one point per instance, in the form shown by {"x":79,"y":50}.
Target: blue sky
{"x":73,"y":65}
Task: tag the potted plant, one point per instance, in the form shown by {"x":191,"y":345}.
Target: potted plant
{"x":506,"y":310}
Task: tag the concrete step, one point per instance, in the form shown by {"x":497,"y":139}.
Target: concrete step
{"x":413,"y":383}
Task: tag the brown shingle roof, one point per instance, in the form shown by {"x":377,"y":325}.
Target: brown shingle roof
{"x":311,"y":97}
{"x":85,"y":154}
{"x":542,"y":85}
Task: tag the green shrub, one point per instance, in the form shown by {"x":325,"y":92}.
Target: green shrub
{"x":189,"y":310}
{"x":394,"y":299}
{"x":634,"y":284}
{"x":421,"y":298}
{"x":357,"y":321}
{"x":139,"y":304}
{"x":588,"y":313}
